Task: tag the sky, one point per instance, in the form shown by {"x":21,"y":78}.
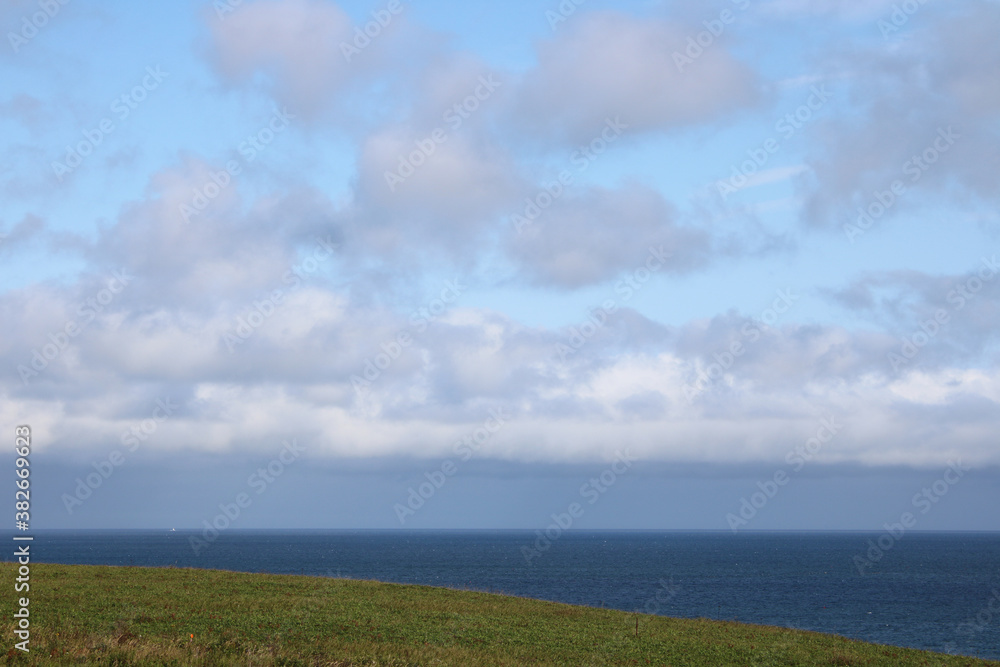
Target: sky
{"x":725,"y":265}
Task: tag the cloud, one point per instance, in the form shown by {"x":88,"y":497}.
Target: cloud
{"x":948,"y":320}
{"x":191,"y":251}
{"x":927,"y":118}
{"x":966,"y":55}
{"x":294,"y":377}
{"x":605,"y":64}
{"x":222,"y":314}
{"x":843,"y":9}
{"x":23,"y":232}
{"x":294,"y":42}
{"x":25,"y":109}
{"x":173,"y":332}
{"x":447,"y":197}
{"x":592,"y":236}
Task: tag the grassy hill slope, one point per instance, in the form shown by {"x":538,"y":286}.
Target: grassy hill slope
{"x":168,"y":616}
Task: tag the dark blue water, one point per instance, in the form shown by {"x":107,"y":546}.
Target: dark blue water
{"x":939,"y":591}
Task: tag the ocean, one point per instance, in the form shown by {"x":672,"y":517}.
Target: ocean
{"x":935,"y":591}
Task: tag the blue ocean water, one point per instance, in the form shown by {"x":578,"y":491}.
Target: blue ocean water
{"x":935,"y":591}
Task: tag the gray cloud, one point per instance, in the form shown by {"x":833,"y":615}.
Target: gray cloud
{"x":594,"y":235}
{"x":196,"y":281}
{"x":937,"y":83}
{"x":952,"y":316}
{"x":305,"y":49}
{"x":606,"y":64}
{"x":29,"y":228}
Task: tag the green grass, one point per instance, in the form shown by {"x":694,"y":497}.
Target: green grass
{"x":147,"y":616}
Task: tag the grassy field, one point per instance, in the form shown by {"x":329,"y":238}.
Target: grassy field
{"x":168,"y":616}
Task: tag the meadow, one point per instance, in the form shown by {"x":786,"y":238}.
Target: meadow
{"x":99,"y":615}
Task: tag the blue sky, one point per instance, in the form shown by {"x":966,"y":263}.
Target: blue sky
{"x":305,"y":295}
